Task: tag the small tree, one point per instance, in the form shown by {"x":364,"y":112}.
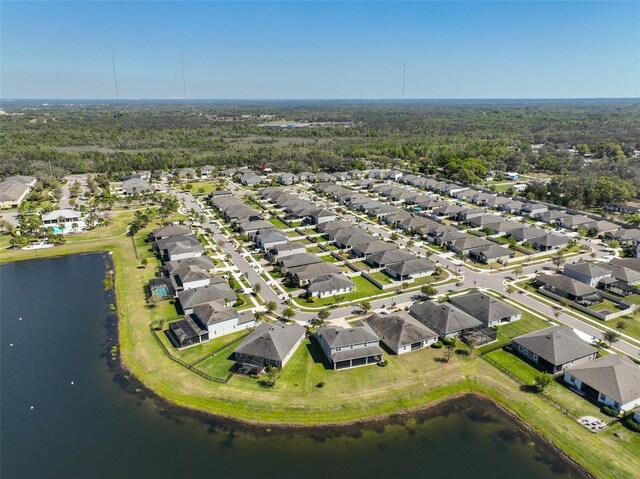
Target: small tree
{"x":144,"y":262}
{"x":323,"y":314}
{"x":620,"y":325}
{"x":288,"y":313}
{"x":394,"y":236}
{"x":541,"y":381}
{"x":257,"y":288}
{"x":428,"y":291}
{"x":518,"y":271}
{"x":558,"y":259}
{"x":611,"y":336}
{"x":271,"y":306}
{"x":448,"y":352}
{"x":365,"y":306}
{"x":510,"y":290}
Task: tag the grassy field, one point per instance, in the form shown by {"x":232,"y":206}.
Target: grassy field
{"x":202,"y":187}
{"x":278,"y":223}
{"x":381,"y":277}
{"x":409,"y":381}
{"x":527,"y":324}
{"x":364,"y":289}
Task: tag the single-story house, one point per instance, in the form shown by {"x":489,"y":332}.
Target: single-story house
{"x":204,"y":263}
{"x":548,"y":242}
{"x":268,"y":344}
{"x":588,"y":273}
{"x":347,"y":348}
{"x":287,"y":249}
{"x":384,"y":258}
{"x":569,"y":288}
{"x":135,"y":186}
{"x":554,"y":349}
{"x":401,"y":332}
{"x":612,"y":380}
{"x":322,"y":216}
{"x":573,"y":222}
{"x":444,"y":318}
{"x":375,"y":246}
{"x":15,"y":189}
{"x":297,"y":260}
{"x":550,"y":216}
{"x":466,"y":244}
{"x":489,"y":310}
{"x":168,"y":231}
{"x":491,"y":254}
{"x":330,"y":285}
{"x":409,"y":269}
{"x":303,"y":275}
{"x":61,"y":216}
{"x":268,"y":239}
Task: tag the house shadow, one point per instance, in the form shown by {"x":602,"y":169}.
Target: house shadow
{"x":314,"y":350}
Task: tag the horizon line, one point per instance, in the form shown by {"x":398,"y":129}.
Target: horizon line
{"x":399,"y":100}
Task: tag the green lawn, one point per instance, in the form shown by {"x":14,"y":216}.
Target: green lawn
{"x":329,"y":258}
{"x":381,"y":277}
{"x":576,"y":405}
{"x":278,"y":223}
{"x":315,"y":250}
{"x":220,"y":364}
{"x":202,"y":187}
{"x":292,"y":234}
{"x":362,"y":265}
{"x":364,"y":289}
{"x":527,"y":324}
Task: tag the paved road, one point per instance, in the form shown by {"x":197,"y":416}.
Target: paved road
{"x":470,"y":278}
{"x":229,"y":248}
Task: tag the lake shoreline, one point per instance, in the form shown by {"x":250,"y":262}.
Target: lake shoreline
{"x":320,"y":431}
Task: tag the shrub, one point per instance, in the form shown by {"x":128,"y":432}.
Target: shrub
{"x":320,"y":384}
{"x":610,"y":411}
{"x":383,"y":363}
{"x":437,"y":345}
{"x":631,"y":424}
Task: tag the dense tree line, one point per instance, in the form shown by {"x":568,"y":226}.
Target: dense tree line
{"x":459,"y":141}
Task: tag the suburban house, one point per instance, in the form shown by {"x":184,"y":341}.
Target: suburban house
{"x":612,"y":380}
{"x":268,"y":345}
{"x":203,"y":262}
{"x":61,"y":216}
{"x":375,"y":246}
{"x":444,"y":318}
{"x":135,"y":186}
{"x":548,"y":242}
{"x":550,"y":216}
{"x":303,"y":275}
{"x":569,"y":288}
{"x":168,"y":231}
{"x":491,"y":254}
{"x":489,"y":310}
{"x":464,"y":245}
{"x":330,"y":285}
{"x":533,"y":209}
{"x":409,"y":269}
{"x":220,"y":321}
{"x":270,"y":238}
{"x":322,"y":216}
{"x":625,"y":236}
{"x":206,"y":171}
{"x":384,"y":258}
{"x":401,"y":332}
{"x":297,"y":260}
{"x":192,"y":276}
{"x":554,"y":349}
{"x":573,"y":222}
{"x":179,"y":247}
{"x":286,"y":249}
{"x":220,"y":293}
{"x":347,"y":348}
{"x":15,"y":189}
{"x":588,"y":273}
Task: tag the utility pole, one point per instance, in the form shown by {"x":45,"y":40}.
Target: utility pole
{"x":115,"y":78}
{"x":404,"y":71}
{"x":184,"y":83}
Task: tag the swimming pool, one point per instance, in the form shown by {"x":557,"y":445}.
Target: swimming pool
{"x":160,"y":291}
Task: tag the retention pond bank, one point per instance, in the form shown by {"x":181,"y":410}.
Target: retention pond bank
{"x":64,"y":415}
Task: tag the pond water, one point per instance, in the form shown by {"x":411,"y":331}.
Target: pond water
{"x":64,"y":415}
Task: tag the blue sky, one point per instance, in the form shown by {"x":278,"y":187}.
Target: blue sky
{"x":282,"y":50}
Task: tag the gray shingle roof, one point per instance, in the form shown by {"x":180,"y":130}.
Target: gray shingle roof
{"x":213,"y":292}
{"x":213,"y":313}
{"x":399,"y":329}
{"x":411,"y":266}
{"x":337,"y":337}
{"x":483,"y":307}
{"x":614,"y":375}
{"x":202,"y":262}
{"x":443,"y":318}
{"x":557,"y":344}
{"x":565,"y":284}
{"x":272,"y":342}
{"x":391,"y":256}
{"x":330,"y":283}
{"x":591,"y":270}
